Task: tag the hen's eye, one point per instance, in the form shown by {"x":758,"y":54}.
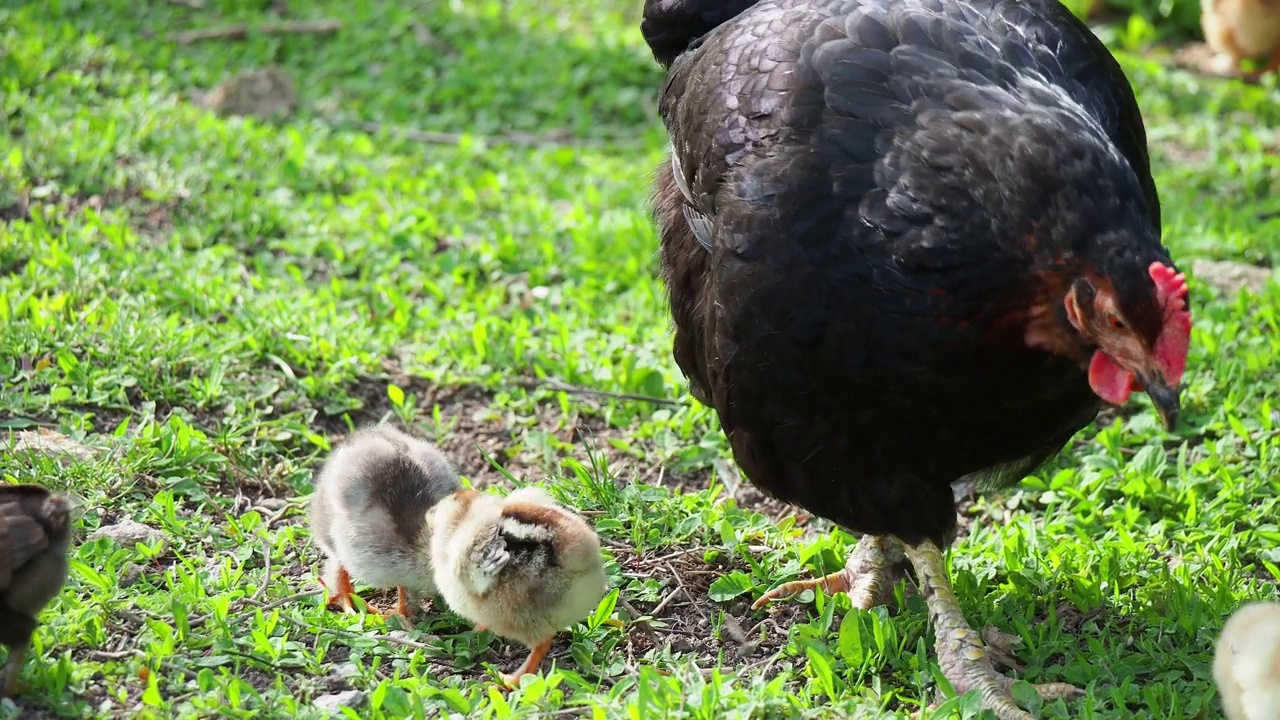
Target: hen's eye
{"x":1116,"y":323}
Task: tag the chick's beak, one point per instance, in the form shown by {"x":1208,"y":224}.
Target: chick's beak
{"x":1166,"y":399}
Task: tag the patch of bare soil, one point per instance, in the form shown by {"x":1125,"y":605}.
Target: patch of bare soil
{"x":1230,"y":277}
{"x":685,"y":619}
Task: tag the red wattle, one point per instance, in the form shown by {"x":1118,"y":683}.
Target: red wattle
{"x":1109,"y":381}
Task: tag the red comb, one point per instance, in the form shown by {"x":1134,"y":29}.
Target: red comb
{"x":1171,"y":347}
{"x":1169,"y":285}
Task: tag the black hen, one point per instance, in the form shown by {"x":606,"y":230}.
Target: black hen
{"x":907,"y":242}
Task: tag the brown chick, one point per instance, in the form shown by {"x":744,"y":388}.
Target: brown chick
{"x":368,"y":514}
{"x":35,"y":533}
{"x":1246,"y":666}
{"x":521,"y":566}
{"x":1243,"y":29}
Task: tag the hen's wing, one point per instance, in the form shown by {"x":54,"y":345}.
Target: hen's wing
{"x":489,"y":554}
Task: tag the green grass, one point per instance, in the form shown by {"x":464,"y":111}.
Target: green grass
{"x":210,"y":302}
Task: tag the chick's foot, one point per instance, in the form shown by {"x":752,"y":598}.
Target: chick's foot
{"x":1273,"y":64}
{"x":961,"y":653}
{"x":341,"y":598}
{"x":402,"y":611}
{"x":868,"y":575}
{"x":530,"y":665}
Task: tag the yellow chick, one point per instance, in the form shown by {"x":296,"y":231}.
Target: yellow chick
{"x":522,"y":566}
{"x":368,"y":515}
{"x":1246,"y":666}
{"x":1243,"y":29}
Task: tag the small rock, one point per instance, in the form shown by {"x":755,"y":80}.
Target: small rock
{"x":272,"y":503}
{"x":131,"y":573}
{"x":345,"y":671}
{"x":347,"y":698}
{"x":129,"y":533}
{"x":51,"y":443}
{"x":1231,"y":277}
{"x":265,"y":93}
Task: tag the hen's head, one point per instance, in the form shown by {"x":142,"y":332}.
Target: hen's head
{"x":1140,"y":324}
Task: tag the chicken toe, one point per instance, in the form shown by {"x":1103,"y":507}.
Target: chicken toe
{"x":961,"y":653}
{"x":530,"y":665}
{"x":868,"y":575}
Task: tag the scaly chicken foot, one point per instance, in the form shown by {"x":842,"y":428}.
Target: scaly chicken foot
{"x":530,"y":665}
{"x":961,"y":654}
{"x":9,"y":685}
{"x":868,"y":575}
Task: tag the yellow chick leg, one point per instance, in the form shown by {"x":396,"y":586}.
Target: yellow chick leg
{"x":961,"y":654}
{"x":401,"y":610}
{"x":341,"y":599}
{"x":868,"y":575}
{"x":531,"y":663}
{"x":12,"y":667}
{"x":1273,"y":63}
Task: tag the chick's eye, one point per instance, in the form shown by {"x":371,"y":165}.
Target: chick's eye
{"x":1116,"y":323}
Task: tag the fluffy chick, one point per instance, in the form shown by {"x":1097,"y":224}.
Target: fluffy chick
{"x":1243,"y":29}
{"x":35,"y":534}
{"x":1246,"y":666}
{"x":521,"y":566}
{"x":368,"y":514}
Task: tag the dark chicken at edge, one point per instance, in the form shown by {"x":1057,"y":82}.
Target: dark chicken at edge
{"x":907,"y":243}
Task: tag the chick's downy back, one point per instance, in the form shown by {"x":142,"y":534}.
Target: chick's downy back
{"x":1242,"y":29}
{"x":370,"y":506}
{"x":521,"y":565}
{"x":1246,"y":666}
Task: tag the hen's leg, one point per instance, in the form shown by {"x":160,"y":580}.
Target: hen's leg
{"x":531,"y":663}
{"x":868,"y":575}
{"x":12,"y":667}
{"x":961,"y":654}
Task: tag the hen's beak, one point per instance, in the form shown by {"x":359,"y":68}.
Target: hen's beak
{"x":1165,"y":398}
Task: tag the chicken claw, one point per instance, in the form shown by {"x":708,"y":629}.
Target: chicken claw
{"x":868,"y":575}
{"x":964,"y":658}
{"x":530,"y":665}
